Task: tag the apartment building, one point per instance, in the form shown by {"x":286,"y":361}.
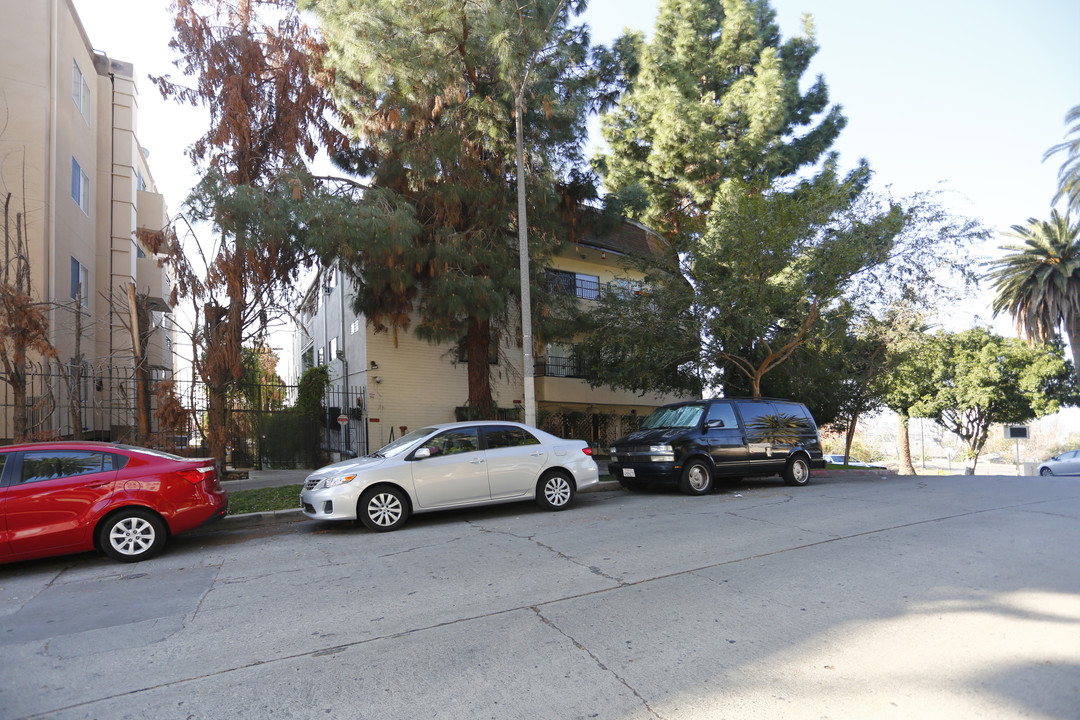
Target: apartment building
{"x":72,"y":167}
{"x":391,"y":383}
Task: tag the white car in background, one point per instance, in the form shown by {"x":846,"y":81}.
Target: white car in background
{"x":838,"y":461}
{"x":451,"y":465}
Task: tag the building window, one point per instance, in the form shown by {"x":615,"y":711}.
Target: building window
{"x":307,"y":359}
{"x":140,"y":181}
{"x":333,"y":348}
{"x":80,"y":91}
{"x":586,"y":287}
{"x":321,"y":359}
{"x":355,"y":327}
{"x":80,"y":283}
{"x":493,"y":350}
{"x":80,"y":186}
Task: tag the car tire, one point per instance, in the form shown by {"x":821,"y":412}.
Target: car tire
{"x":383,"y":508}
{"x":697,"y":477}
{"x":132,"y":534}
{"x":797,"y":472}
{"x":1045,"y":471}
{"x":555,"y":491}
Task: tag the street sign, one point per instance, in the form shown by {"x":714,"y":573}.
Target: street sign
{"x":343,"y":419}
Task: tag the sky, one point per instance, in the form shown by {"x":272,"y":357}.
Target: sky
{"x":959,"y":96}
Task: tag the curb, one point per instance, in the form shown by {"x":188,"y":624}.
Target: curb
{"x":280,"y":517}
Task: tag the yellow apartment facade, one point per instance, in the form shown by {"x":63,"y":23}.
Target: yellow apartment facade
{"x":389,"y":384}
{"x":72,"y":169}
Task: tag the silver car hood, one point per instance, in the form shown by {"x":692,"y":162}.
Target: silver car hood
{"x":345,"y":466}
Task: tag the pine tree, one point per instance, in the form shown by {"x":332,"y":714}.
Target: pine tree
{"x":713,"y":98}
{"x":427,"y":90}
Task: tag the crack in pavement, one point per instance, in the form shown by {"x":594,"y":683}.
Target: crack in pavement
{"x":422,"y":547}
{"x":558,"y":553}
{"x":599,"y":663}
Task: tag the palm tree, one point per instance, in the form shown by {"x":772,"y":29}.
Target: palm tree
{"x":1039,"y":282}
{"x":1069,"y":175}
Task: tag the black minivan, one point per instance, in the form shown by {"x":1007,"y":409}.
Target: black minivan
{"x":692,"y":443}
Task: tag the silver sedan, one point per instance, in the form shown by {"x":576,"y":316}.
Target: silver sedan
{"x":1067,"y":463}
{"x":448,"y":466}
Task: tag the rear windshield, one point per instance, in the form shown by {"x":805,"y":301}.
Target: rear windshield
{"x":682,"y":416}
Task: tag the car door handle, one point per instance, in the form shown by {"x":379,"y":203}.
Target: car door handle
{"x":537,"y":454}
{"x":99,"y":484}
{"x":476,"y":461}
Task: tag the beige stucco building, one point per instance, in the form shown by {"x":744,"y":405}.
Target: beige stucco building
{"x":389,"y":382}
{"x":71,"y":165}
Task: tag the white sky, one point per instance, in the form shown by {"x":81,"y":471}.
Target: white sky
{"x":953,"y":94}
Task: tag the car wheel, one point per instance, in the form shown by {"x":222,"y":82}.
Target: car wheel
{"x":697,"y":478}
{"x":555,"y":491}
{"x":797,"y":471}
{"x":383,"y":509}
{"x":132,"y":535}
{"x":1045,"y":471}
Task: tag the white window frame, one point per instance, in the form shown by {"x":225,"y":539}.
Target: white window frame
{"x":80,"y":277}
{"x":80,"y":90}
{"x":80,"y":186}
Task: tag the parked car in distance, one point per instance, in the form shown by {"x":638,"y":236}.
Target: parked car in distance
{"x":451,"y":465}
{"x":837,"y":461}
{"x":1067,"y":463}
{"x":68,"y":497}
{"x":689,"y":444}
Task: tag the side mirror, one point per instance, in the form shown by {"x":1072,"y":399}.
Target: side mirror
{"x":422,"y":454}
{"x":709,"y":425}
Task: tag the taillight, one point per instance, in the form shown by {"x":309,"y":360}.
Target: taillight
{"x":197,"y":475}
{"x":587,"y":450}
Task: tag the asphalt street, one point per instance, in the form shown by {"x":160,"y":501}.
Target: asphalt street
{"x":854,"y":597}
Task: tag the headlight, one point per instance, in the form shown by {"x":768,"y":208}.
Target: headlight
{"x":661,"y":453}
{"x":613,"y":451}
{"x":338,"y":480}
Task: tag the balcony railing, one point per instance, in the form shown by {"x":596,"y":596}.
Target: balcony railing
{"x":585,"y":288}
{"x":564,"y":367}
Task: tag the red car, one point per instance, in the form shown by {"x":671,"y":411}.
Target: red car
{"x":68,"y":497}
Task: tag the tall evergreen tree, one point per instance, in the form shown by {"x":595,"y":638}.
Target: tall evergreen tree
{"x":428,"y":91}
{"x":713,"y":98}
{"x":714,"y":145}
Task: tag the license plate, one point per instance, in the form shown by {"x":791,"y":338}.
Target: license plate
{"x":628,"y":472}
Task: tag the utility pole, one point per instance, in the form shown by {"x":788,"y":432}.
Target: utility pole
{"x":528,"y":370}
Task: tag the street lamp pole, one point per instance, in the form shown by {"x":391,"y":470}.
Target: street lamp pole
{"x":523,"y":261}
{"x":523,"y":234}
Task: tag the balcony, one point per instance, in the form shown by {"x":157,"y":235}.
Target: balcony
{"x":561,"y":367}
{"x":585,"y":287}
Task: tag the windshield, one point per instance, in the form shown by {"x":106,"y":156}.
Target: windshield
{"x":403,"y":443}
{"x":674,"y":417}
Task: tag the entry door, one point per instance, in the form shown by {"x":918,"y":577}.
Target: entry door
{"x":5,"y":546}
{"x":766,"y":442}
{"x":455,"y":473}
{"x":727,"y":445}
{"x":50,"y":504}
{"x":515,"y":459}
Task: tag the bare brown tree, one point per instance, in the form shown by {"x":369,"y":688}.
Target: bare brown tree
{"x":265,"y":87}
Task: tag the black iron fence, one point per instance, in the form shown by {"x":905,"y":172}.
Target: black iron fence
{"x":264,"y":427}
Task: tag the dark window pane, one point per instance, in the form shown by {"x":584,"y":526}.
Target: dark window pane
{"x":46,"y":465}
